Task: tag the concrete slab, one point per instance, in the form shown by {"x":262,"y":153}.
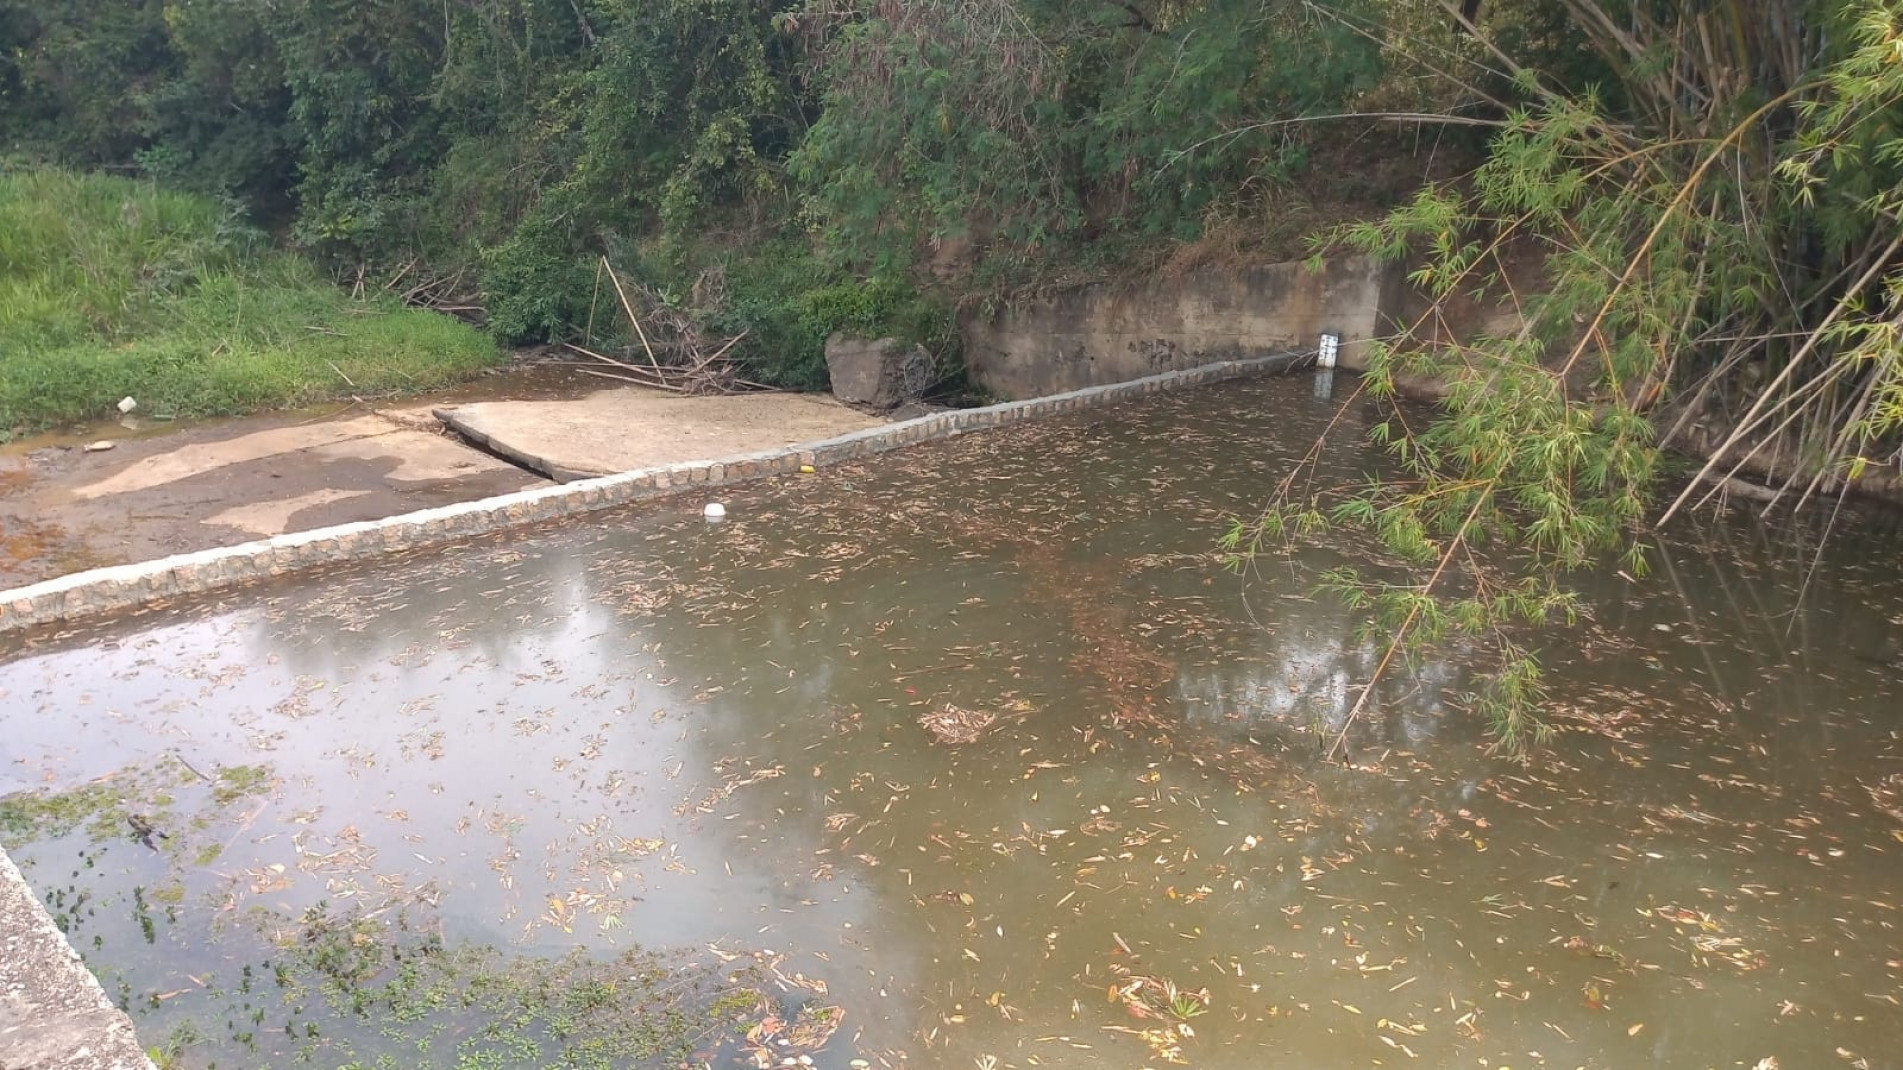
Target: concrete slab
{"x":63,"y":509}
{"x":53,"y":1014}
{"x":274,"y":517}
{"x":637,"y":427}
{"x":196,"y":458}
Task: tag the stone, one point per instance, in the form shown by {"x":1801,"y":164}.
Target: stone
{"x":883,"y":373}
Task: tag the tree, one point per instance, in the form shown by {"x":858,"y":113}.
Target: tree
{"x":1718,"y":231}
{"x":1038,"y":124}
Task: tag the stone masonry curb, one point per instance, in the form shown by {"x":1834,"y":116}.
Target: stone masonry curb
{"x":120,"y":587}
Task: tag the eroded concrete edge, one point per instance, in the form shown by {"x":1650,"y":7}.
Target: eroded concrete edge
{"x":53,"y":1014}
{"x":104,"y":590}
{"x":522,"y":458}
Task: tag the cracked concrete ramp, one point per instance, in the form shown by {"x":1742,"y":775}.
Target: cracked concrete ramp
{"x":623,"y":429}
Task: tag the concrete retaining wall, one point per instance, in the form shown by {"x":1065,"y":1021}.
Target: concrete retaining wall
{"x":122,"y":587}
{"x":53,"y":1014}
{"x":1106,"y":334}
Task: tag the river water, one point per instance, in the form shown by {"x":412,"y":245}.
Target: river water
{"x":740,"y":744}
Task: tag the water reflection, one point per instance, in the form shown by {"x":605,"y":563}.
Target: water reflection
{"x":647,"y":729}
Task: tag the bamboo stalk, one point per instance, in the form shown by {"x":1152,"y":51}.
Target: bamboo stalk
{"x":658,"y":385}
{"x":629,"y":308}
{"x":588,"y":335}
{"x":722,"y":351}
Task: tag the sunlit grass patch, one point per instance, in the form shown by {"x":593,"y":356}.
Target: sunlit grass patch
{"x":112,"y":288}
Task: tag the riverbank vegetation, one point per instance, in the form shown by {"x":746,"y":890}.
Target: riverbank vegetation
{"x":1705,"y":191}
{"x":1712,"y":201}
{"x":112,"y":287}
{"x":753,"y":164}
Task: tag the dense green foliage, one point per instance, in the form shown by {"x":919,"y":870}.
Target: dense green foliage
{"x":507,"y":145}
{"x":111,"y":287}
{"x":1056,"y":121}
{"x":1719,"y":253}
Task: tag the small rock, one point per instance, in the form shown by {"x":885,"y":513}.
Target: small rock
{"x":100,"y":446}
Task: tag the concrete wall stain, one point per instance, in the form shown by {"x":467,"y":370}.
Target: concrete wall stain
{"x":1108,"y":334}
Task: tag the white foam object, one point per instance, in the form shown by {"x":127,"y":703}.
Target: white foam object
{"x":714,"y":511}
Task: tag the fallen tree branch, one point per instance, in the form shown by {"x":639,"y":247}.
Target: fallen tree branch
{"x":629,"y":308}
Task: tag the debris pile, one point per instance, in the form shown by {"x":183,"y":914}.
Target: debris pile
{"x":674,"y":352}
{"x":954,"y":725}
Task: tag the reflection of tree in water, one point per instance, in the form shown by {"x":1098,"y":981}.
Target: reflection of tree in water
{"x":827,"y":642}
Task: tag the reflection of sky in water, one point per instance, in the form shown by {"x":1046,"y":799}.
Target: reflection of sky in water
{"x":1306,"y":688}
{"x":710,"y":734}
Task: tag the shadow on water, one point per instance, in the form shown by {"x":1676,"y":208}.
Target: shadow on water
{"x":714,"y":741}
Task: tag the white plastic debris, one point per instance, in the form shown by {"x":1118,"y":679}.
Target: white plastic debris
{"x":126,"y":404}
{"x":100,"y":446}
{"x":714,"y":511}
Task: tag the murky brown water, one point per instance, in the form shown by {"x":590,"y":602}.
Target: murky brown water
{"x":649,"y":730}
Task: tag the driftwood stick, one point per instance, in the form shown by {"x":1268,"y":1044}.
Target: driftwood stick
{"x":398,"y":277}
{"x":605,"y":359}
{"x":628,"y":307}
{"x":722,"y":351}
{"x":636,"y":373}
{"x":658,"y":384}
{"x":190,"y":767}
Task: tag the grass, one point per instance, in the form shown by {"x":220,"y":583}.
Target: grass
{"x":111,"y":288}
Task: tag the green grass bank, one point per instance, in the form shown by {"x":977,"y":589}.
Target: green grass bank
{"x":111,"y":288}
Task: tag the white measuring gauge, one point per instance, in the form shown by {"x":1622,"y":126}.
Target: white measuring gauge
{"x":1329,"y":350}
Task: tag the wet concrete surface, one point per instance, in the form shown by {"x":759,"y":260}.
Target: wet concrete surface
{"x":636,"y":427}
{"x":166,"y":489}
{"x":63,"y":509}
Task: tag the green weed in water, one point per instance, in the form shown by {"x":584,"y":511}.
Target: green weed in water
{"x":397,"y":991}
{"x":236,"y":781}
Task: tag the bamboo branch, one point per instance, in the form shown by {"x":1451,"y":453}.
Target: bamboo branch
{"x":629,"y":308}
{"x":1750,"y":421}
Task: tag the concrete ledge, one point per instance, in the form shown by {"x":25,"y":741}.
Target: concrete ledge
{"x":53,"y":1014}
{"x":104,"y":590}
